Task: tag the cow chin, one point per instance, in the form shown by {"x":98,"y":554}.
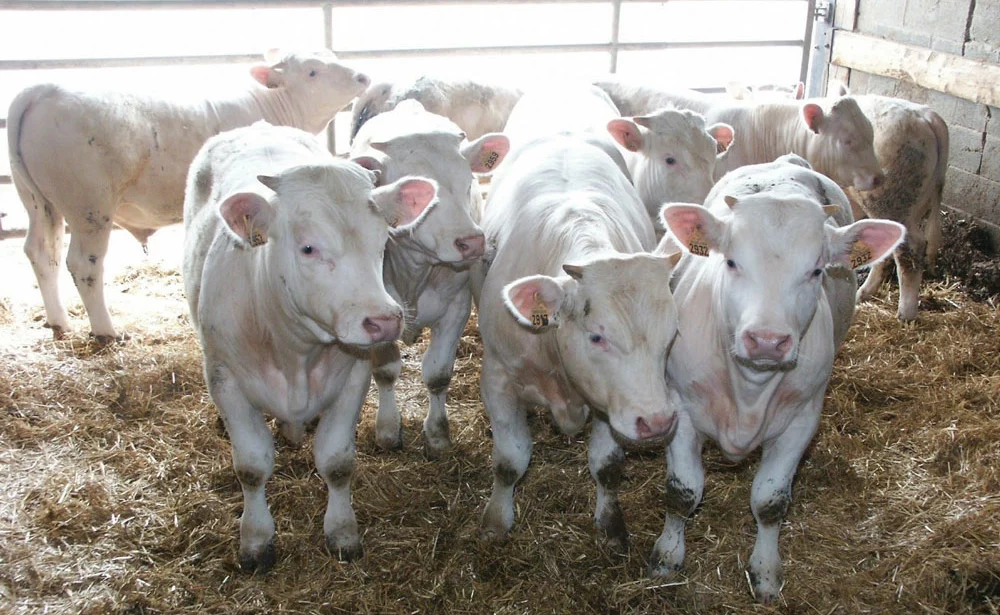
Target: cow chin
{"x":765,"y":365}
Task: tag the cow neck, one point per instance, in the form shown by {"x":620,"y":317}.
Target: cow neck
{"x":280,"y":317}
{"x":277,"y":107}
{"x":778,"y":129}
{"x":407,"y":266}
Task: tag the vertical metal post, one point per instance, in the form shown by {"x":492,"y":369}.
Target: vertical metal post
{"x":820,"y":45}
{"x":616,"y":13}
{"x":331,"y":131}
{"x":807,"y":41}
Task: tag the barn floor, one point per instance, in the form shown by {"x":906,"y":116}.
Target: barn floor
{"x":117,"y":493}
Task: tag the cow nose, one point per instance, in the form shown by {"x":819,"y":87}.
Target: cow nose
{"x":471,"y":247}
{"x":654,"y":426}
{"x":382,"y":328}
{"x":363,"y":79}
{"x":767,"y":345}
{"x":878,"y":180}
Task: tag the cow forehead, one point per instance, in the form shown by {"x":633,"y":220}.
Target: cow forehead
{"x":631,"y":293}
{"x":783,"y":229}
{"x":335,"y":195}
{"x":683,"y":128}
{"x":849,"y":114}
{"x":408,"y":122}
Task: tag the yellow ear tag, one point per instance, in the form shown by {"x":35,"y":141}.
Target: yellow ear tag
{"x":860,"y":255}
{"x":697,"y":243}
{"x":255,"y":235}
{"x":488,"y":159}
{"x":539,"y":313}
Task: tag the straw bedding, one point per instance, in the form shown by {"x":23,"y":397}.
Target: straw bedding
{"x":118,"y":496}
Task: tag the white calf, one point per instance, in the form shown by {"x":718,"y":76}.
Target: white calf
{"x":283,"y":274}
{"x":568,"y":318}
{"x":764,"y":301}
{"x":96,"y":159}
{"x":427,"y":270}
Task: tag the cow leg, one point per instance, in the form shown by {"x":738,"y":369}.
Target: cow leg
{"x":253,"y":460}
{"x":43,"y":247}
{"x":438,"y":365}
{"x":334,"y":451}
{"x":85,"y":260}
{"x":511,"y":447}
{"x":606,"y":460}
{"x":871,"y":285}
{"x":685,"y":485}
{"x":386,"y":367}
{"x":910,"y":271}
{"x":770,"y":497}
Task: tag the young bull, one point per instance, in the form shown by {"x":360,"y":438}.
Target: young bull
{"x":427,"y":270}
{"x":911,"y":143}
{"x":477,"y":108}
{"x":283,"y":274}
{"x":568,"y":317}
{"x":833,"y":135}
{"x":96,"y":159}
{"x":764,"y":300}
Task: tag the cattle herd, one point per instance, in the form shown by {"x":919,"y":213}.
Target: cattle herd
{"x":670,"y":266}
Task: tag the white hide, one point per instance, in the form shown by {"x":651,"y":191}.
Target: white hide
{"x":568,"y":315}
{"x":764,"y":301}
{"x":478,"y":108}
{"x":98,"y":159}
{"x":283,"y":275}
{"x":427,"y":270}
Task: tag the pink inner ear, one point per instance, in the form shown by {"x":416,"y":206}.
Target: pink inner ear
{"x":262,"y":74}
{"x":878,"y":236}
{"x":813,"y":115}
{"x":525,"y":297}
{"x":723,"y":135}
{"x":414,"y":196}
{"x":236,"y":209}
{"x":626,"y":134}
{"x":491,"y":153}
{"x":683,"y":222}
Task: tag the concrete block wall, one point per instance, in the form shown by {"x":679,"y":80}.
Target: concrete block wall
{"x":969,"y":28}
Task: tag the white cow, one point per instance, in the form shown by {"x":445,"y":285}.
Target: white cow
{"x":477,"y":107}
{"x":764,"y":300}
{"x":96,"y":159}
{"x":283,"y":274}
{"x":568,"y":317}
{"x":911,"y":143}
{"x":832,"y":134}
{"x":427,"y":270}
{"x":670,"y":154}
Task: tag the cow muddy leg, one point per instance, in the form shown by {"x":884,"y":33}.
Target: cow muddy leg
{"x":685,"y":485}
{"x":253,"y":461}
{"x":770,"y":497}
{"x":85,"y":260}
{"x":334,"y":451}
{"x":606,"y":460}
{"x":511,"y":448}
{"x":438,"y":365}
{"x":871,"y":284}
{"x":910,"y":271}
{"x":43,"y":247}
{"x":386,"y":367}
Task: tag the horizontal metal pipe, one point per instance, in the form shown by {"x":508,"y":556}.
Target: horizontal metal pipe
{"x":59,"y":5}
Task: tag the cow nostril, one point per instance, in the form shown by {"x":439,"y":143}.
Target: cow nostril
{"x":877,"y":181}
{"x":371,"y":326}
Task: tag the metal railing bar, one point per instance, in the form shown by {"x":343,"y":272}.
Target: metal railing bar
{"x":616,"y":18}
{"x":106,"y":5}
{"x":129,"y":62}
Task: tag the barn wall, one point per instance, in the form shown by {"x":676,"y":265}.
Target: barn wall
{"x":965,"y":28}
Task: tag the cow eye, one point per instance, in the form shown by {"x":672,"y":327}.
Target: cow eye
{"x":596,"y":338}
{"x":307,"y":250}
{"x":817,"y":272}
{"x":731,"y":263}
{"x":312,"y":73}
{"x":671,"y":160}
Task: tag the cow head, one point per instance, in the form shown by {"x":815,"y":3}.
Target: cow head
{"x":677,"y":154}
{"x":451,"y":233}
{"x":614,"y":321}
{"x":770,"y":256}
{"x":843,"y":148}
{"x":321,"y":236}
{"x":316,"y":85}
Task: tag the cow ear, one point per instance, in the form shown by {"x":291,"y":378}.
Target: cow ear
{"x":865,"y":242}
{"x":486,"y":152}
{"x":813,"y":116}
{"x":534,"y":301}
{"x":406,"y":202}
{"x":627,"y":134}
{"x":373,"y":164}
{"x":693,"y":227}
{"x":723,"y":135}
{"x":800,"y":91}
{"x":843,"y":90}
{"x":248,"y":215}
{"x":267,"y":76}
{"x":274,"y":55}
{"x":738,"y":91}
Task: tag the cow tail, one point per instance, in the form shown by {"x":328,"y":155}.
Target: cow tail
{"x":933,"y":230}
{"x":19,"y":108}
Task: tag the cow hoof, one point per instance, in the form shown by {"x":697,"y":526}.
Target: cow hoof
{"x":259,"y":562}
{"x":389,"y":443}
{"x":660,"y":568}
{"x":58,"y":331}
{"x":435,"y":449}
{"x":349,"y":552}
{"x":491,"y":534}
{"x":766,"y":588}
